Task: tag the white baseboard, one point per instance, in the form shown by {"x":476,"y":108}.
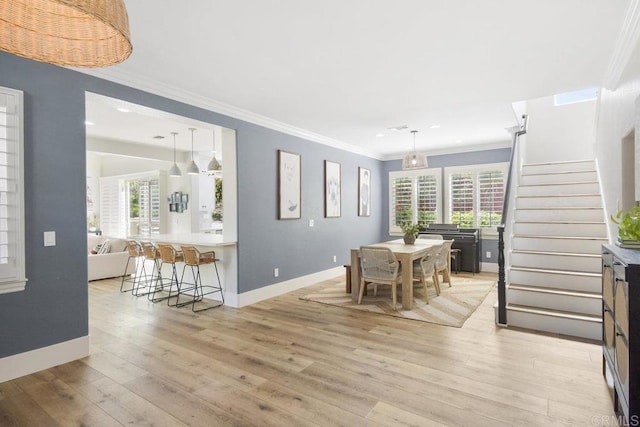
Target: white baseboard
{"x":29,"y":362}
{"x":489,"y":267}
{"x":257,"y":295}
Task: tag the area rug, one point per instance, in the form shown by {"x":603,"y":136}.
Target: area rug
{"x":452,"y":307}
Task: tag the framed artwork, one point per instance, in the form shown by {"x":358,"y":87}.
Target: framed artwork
{"x":364,"y":192}
{"x":332,"y":187}
{"x":289,"y":185}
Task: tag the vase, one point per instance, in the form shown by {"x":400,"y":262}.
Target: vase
{"x":409,"y":239}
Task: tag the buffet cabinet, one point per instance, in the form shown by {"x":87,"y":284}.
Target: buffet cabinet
{"x":620,"y":329}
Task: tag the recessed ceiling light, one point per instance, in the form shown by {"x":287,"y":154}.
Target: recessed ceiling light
{"x":458,"y":141}
{"x":398,"y":128}
{"x":123,"y":110}
{"x":88,"y":123}
{"x":380,"y":135}
{"x":434,"y":127}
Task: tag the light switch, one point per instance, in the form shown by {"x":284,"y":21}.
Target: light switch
{"x":49,"y":238}
{"x":311,"y":223}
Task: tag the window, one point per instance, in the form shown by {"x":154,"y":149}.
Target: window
{"x":475,"y":195}
{"x":583,"y":95}
{"x":12,"y":270}
{"x":414,"y":196}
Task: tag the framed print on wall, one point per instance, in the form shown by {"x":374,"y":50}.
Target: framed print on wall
{"x":289,"y":185}
{"x":364,"y":192}
{"x":332,"y":187}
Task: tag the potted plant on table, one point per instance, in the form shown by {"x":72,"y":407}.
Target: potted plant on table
{"x":410,"y":231}
{"x":628,"y":228}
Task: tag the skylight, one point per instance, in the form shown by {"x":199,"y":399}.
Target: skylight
{"x":583,"y":95}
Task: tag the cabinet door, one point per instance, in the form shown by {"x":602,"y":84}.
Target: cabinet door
{"x":607,"y":284}
{"x":621,"y":308}
{"x":622,"y":364}
{"x":609,"y":333}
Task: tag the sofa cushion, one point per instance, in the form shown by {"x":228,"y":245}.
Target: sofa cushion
{"x":104,"y":247}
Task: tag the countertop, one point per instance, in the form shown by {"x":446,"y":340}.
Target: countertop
{"x":197,"y":239}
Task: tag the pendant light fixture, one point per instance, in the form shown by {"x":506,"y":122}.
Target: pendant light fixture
{"x":77,"y":33}
{"x":174,"y":170}
{"x":214,"y":167}
{"x":415,"y":160}
{"x":192,"y":169}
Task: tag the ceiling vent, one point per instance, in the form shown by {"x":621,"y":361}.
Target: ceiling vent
{"x":399,"y":128}
{"x":157,"y":137}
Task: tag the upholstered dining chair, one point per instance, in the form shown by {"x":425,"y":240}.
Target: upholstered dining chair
{"x":425,"y":268}
{"x":443,"y":261}
{"x":379,"y":266}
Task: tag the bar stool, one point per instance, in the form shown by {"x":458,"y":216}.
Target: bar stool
{"x":151,"y":253}
{"x":169,"y":255}
{"x":135,"y":254}
{"x":193,"y":258}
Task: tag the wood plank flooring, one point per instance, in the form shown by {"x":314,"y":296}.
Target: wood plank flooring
{"x":288,"y":362}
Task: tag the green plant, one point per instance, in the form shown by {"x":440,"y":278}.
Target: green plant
{"x":218,"y":191}
{"x":628,"y":223}
{"x":410,"y":228}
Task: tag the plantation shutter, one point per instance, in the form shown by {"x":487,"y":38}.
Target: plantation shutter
{"x":461,"y":203}
{"x":401,"y":191}
{"x":490,"y":197}
{"x":112,"y":207}
{"x":12,"y":272}
{"x":427,"y":200}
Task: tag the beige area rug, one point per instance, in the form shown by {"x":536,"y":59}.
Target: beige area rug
{"x":452,"y":307}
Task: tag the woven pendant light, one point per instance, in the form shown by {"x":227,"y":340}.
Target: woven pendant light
{"x":415,"y":160}
{"x":77,"y":33}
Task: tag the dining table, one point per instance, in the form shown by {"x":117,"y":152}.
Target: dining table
{"x":405,"y":254}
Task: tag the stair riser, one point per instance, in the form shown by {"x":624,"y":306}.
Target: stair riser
{"x":558,"y":178}
{"x":559,"y":202}
{"x":557,"y":262}
{"x":588,"y":165}
{"x":570,"y":303}
{"x":546,"y":229}
{"x":558,"y":281}
{"x":572,"y":327}
{"x":559,"y":215}
{"x":557,"y":245}
{"x":549,"y":190}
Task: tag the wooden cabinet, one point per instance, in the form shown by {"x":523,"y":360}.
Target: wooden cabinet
{"x":620,"y":318}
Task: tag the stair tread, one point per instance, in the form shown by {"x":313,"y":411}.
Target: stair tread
{"x":542,"y":208}
{"x":554,"y":271}
{"x":555,"y":313}
{"x":562,"y":221}
{"x":536,"y":236}
{"x":560,"y":195}
{"x":556,"y":253}
{"x":556,"y":291}
{"x":548,"y":184}
{"x":560,"y":162}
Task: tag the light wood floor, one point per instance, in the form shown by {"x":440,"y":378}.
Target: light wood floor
{"x":290,"y":362}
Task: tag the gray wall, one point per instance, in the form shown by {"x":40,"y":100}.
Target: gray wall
{"x":497,"y":155}
{"x":53,"y":308}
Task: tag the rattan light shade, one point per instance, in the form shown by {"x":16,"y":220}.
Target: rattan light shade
{"x":78,"y":33}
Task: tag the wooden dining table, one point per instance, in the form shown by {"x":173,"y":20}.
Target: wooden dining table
{"x":405,"y":254}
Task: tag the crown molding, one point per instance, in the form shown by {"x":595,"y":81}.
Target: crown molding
{"x":456,"y":150}
{"x":625,"y":45}
{"x":177,"y":94}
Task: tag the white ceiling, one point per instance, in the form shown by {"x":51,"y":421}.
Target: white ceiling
{"x":346,"y":70}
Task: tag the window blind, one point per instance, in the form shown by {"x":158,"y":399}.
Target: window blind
{"x":12,"y":272}
{"x":401,"y":190}
{"x":427,"y":200}
{"x":461,"y":199}
{"x":490,"y":197}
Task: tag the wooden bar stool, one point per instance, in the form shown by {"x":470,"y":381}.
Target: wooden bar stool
{"x":135,"y":254}
{"x":151,"y":253}
{"x":193,"y":258}
{"x":169,"y":255}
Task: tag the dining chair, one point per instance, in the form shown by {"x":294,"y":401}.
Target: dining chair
{"x":424,"y":268}
{"x":379,"y":266}
{"x":430,"y":236}
{"x":443,"y":261}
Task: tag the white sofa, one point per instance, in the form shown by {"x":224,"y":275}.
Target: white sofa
{"x":111,"y":264}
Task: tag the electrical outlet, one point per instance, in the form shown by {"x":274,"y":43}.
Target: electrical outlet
{"x":488,"y":254}
{"x":311,"y":223}
{"x":276,"y":272}
{"x":335,"y":258}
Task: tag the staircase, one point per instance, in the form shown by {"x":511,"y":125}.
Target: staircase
{"x":555,"y":267}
